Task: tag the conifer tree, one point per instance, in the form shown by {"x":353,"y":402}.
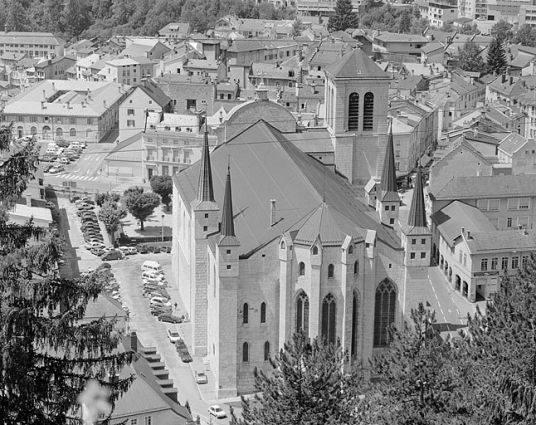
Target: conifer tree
{"x":496,"y":60}
{"x":308,"y":385}
{"x":46,"y":355}
{"x":344,"y":17}
{"x":502,"y":346}
{"x":422,"y":377}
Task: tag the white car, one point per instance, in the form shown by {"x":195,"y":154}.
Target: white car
{"x":173,"y":335}
{"x":90,"y":245}
{"x":217,"y":411}
{"x":201,"y":377}
{"x":160,"y":301}
{"x":152,"y":275}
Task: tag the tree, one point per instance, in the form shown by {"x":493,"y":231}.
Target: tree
{"x":422,"y":378}
{"x":101,"y":198}
{"x":307,"y":386}
{"x":496,"y":58}
{"x":503,"y":340}
{"x":75,"y":18}
{"x":470,"y":59}
{"x":163,"y":186}
{"x":296,"y":31}
{"x":15,"y":18}
{"x":46,"y":356}
{"x":140,"y":204}
{"x":111,"y":215}
{"x":502,"y":30}
{"x":344,"y":17}
{"x":525,"y":36}
{"x":404,"y":22}
{"x":469,"y":29}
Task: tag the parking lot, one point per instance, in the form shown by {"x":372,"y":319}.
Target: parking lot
{"x":63,"y":157}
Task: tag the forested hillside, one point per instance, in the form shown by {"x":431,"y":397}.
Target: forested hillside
{"x":102,"y":18}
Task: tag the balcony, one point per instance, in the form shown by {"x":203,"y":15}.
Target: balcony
{"x":150,"y":158}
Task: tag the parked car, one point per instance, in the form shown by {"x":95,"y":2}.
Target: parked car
{"x":150,"y":249}
{"x":113,"y":255}
{"x":50,"y":205}
{"x":104,"y":266}
{"x":160,"y":301}
{"x":62,"y":143}
{"x":57,"y":169}
{"x":91,"y":245}
{"x":48,"y":158}
{"x":132,"y":250}
{"x":168,"y":249}
{"x":89,"y":225}
{"x":142,"y":249}
{"x":98,"y":251}
{"x":169,"y":318}
{"x":173,"y":335}
{"x":201,"y":377}
{"x":182,"y":349}
{"x":157,"y":311}
{"x":94,"y":238}
{"x":64,"y":160}
{"x":88,"y":215}
{"x":217,"y":411}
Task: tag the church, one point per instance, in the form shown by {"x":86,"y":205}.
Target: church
{"x":268,"y":241}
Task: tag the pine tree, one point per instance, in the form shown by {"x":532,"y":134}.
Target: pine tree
{"x":496,"y":60}
{"x":344,"y":17}
{"x":46,"y":356}
{"x":404,"y":22}
{"x":502,"y":346}
{"x":469,"y":58}
{"x":422,"y":377}
{"x":307,"y":386}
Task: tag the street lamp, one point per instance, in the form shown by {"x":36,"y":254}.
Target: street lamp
{"x":163,"y":227}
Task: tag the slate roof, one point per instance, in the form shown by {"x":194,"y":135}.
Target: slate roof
{"x":266,"y":165}
{"x":155,"y":93}
{"x":356,"y":65}
{"x":312,"y":141}
{"x":104,"y":305}
{"x":500,"y":241}
{"x":450,"y":219}
{"x":513,"y":143}
{"x":482,"y":187}
{"x":389,"y":37}
{"x":45,"y":63}
{"x":245,"y":46}
{"x":30,"y":38}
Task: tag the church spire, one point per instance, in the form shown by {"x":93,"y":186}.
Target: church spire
{"x":417,"y":211}
{"x":205,"y":190}
{"x":227,"y":219}
{"x":388,"y":184}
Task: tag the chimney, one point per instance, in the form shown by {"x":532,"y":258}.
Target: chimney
{"x":272,"y":212}
{"x":313,"y":88}
{"x":29,"y":199}
{"x":511,"y":80}
{"x":104,"y":104}
{"x":503,"y":79}
{"x":134,"y":342}
{"x":468,"y":234}
{"x":44,"y":94}
{"x":463,"y":230}
{"x":43,"y":104}
{"x":68,"y":104}
{"x":519,"y":226}
{"x":53,"y":86}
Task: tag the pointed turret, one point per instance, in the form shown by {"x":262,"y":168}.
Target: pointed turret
{"x":388,"y":200}
{"x":417,"y":211}
{"x":227,"y":230}
{"x":388,"y":187}
{"x":205,"y":189}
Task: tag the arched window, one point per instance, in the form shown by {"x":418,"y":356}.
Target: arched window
{"x":59,"y":132}
{"x":245,"y":352}
{"x":353,"y":112}
{"x":384,"y":312}
{"x":355,"y":318}
{"x":263,"y":313}
{"x":266,"y":351}
{"x":72,"y":132}
{"x":329,"y":308}
{"x":302,"y":313}
{"x":331,"y":271}
{"x":20,"y":131}
{"x":351,"y":249}
{"x":302,"y":269}
{"x":245,"y":314}
{"x":315,"y":250}
{"x":33,"y":130}
{"x":356,"y":267}
{"x":282,"y":244}
{"x":89,"y":133}
{"x":46,"y":132}
{"x":368,"y":112}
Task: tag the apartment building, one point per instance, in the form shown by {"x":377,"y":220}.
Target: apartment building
{"x":33,"y":44}
{"x":440,"y":13}
{"x":130,"y":71}
{"x":171,"y":143}
{"x":59,"y":109}
{"x":54,"y":68}
{"x":405,"y":44}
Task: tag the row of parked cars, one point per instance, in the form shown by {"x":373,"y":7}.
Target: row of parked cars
{"x":154,"y":287}
{"x":111,"y":287}
{"x":64,"y":152}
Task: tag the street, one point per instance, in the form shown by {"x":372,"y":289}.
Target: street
{"x":150,"y":331}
